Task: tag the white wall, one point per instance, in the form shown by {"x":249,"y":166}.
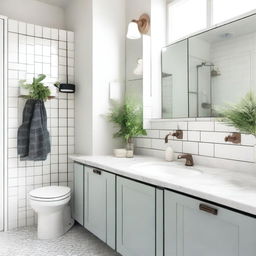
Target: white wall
{"x":158,"y":41}
{"x":33,"y":12}
{"x":100,"y":59}
{"x":108,"y":66}
{"x":79,"y":20}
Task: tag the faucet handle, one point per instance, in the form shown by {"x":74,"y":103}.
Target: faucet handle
{"x":178,"y":134}
{"x":235,"y":138}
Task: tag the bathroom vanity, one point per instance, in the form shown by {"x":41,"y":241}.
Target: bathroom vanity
{"x":174,"y":210}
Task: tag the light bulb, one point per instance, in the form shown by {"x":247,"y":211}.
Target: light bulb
{"x":133,"y":31}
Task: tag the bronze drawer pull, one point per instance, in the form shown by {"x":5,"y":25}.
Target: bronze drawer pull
{"x":208,"y":209}
{"x":97,"y":171}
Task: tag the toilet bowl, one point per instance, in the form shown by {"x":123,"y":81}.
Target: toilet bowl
{"x":54,"y":214}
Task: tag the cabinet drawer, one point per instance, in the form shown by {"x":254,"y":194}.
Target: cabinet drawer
{"x":193,"y":228}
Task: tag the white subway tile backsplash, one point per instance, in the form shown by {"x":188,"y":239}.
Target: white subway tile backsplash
{"x":166,"y":125}
{"x":236,"y":152}
{"x":150,"y":133}
{"x":248,"y":140}
{"x":54,"y":34}
{"x":204,"y":138}
{"x":38,"y":31}
{"x":214,"y":137}
{"x":206,"y":149}
{"x":221,"y":127}
{"x":194,"y":135}
{"x":30,"y":29}
{"x":62,"y":35}
{"x":161,"y":145}
{"x":46,"y":32}
{"x":201,"y":126}
{"x":190,"y":147}
{"x":71,"y":36}
{"x":143,"y":143}
{"x":13,"y":26}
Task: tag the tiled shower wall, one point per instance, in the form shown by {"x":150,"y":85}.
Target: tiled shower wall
{"x":204,"y":138}
{"x":35,"y":50}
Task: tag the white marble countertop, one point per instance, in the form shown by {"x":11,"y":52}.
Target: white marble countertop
{"x":233,"y":189}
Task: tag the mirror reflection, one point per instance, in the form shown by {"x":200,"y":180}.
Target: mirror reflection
{"x":221,"y":69}
{"x":175,"y":81}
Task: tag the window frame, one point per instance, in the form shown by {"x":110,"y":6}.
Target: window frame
{"x":209,"y":20}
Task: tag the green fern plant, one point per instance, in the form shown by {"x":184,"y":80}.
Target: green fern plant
{"x":37,"y":90}
{"x":129,"y":119}
{"x":242,"y":115}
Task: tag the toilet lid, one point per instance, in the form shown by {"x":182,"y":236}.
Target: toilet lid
{"x":52,"y":192}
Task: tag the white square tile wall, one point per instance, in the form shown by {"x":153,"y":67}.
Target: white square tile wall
{"x":34,"y":50}
{"x":203,"y":138}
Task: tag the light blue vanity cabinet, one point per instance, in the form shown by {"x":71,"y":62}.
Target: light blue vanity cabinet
{"x":136,"y":218}
{"x":78,"y":193}
{"x":99,"y":204}
{"x":196,"y":228}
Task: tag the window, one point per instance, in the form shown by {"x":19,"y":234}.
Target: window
{"x":224,"y":10}
{"x":188,"y":16}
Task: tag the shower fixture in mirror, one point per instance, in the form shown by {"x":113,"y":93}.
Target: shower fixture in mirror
{"x":206,"y":71}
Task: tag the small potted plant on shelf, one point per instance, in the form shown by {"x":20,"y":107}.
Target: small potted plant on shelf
{"x":36,"y":90}
{"x":242,"y":116}
{"x":128,"y":117}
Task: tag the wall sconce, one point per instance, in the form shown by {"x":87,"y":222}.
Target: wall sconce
{"x":138,"y":27}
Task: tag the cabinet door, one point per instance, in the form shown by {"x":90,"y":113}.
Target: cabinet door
{"x":194,"y":228}
{"x":100,"y":204}
{"x":136,"y":218}
{"x":78,"y":193}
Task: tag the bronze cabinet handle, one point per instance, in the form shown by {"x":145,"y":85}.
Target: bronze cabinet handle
{"x":98,"y":172}
{"x":208,"y":209}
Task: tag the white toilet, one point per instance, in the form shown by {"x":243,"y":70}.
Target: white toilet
{"x":54,"y":214}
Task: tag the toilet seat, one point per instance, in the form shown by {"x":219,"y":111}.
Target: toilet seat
{"x":50,"y":194}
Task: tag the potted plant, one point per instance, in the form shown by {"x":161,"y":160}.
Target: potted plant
{"x":37,"y":90}
{"x":242,"y":115}
{"x":129,"y":120}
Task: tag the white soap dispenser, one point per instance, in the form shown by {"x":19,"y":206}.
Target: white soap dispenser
{"x":169,"y":154}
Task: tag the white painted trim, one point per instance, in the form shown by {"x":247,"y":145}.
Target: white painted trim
{"x":5,"y":163}
{"x":242,"y":16}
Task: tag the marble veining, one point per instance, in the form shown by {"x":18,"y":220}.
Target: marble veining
{"x":232,"y":188}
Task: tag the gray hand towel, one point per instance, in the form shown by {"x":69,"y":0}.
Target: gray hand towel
{"x":33,"y":136}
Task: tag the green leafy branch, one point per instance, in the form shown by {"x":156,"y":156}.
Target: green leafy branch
{"x":37,"y":90}
{"x":129,"y":119}
{"x":242,"y":115}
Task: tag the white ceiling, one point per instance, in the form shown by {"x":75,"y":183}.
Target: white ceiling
{"x":60,"y":3}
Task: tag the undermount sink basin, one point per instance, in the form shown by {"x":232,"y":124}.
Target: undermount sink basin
{"x":164,"y":169}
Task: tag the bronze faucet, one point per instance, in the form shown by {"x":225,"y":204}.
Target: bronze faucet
{"x":178,"y":134}
{"x":189,"y":159}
